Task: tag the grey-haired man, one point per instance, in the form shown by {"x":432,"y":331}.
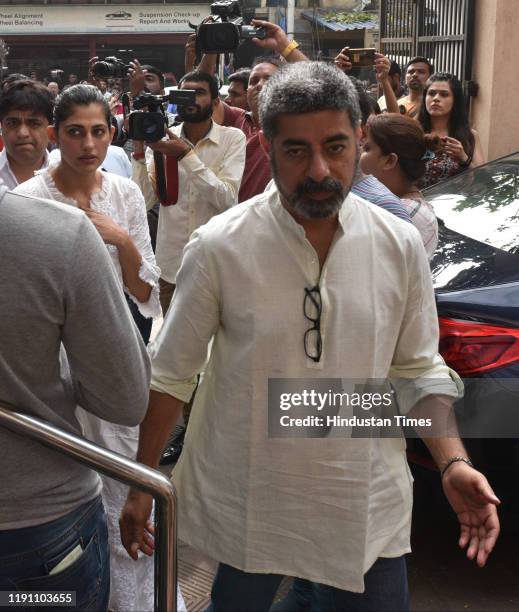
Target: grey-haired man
{"x":337,"y":511}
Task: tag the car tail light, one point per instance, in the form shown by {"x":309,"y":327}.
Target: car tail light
{"x":470,"y":347}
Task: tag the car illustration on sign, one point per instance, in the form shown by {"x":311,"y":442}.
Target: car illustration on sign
{"x":120,"y":15}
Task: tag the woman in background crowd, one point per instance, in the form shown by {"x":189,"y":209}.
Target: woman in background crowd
{"x":443,"y":113}
{"x":82,"y":129}
{"x":396,"y":151}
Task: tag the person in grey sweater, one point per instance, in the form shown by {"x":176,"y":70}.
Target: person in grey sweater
{"x":67,"y":338}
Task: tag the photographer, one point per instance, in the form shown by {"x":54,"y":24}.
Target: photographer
{"x":210,"y":158}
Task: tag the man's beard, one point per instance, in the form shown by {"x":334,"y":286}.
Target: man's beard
{"x":308,"y":207}
{"x":415,"y":85}
{"x":201,"y":114}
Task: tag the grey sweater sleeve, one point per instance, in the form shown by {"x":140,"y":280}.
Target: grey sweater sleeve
{"x":107,"y":358}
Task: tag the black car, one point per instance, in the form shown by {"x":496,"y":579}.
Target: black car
{"x":476,"y":278}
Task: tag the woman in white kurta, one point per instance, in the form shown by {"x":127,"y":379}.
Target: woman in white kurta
{"x":116,"y":207}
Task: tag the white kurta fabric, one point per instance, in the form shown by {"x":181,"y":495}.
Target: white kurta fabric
{"x":322,"y":509}
{"x":131,"y":583}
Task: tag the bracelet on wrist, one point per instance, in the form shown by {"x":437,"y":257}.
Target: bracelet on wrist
{"x":455,"y":460}
{"x":289,"y":48}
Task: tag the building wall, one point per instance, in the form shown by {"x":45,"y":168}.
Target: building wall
{"x":496,"y":57}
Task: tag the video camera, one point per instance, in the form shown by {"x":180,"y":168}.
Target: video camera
{"x":110,"y":68}
{"x":227,"y":30}
{"x":151,"y":126}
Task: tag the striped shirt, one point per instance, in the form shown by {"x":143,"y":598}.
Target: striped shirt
{"x":371,"y":189}
{"x":424,"y":219}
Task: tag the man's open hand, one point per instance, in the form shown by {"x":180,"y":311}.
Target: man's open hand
{"x":474,"y":502}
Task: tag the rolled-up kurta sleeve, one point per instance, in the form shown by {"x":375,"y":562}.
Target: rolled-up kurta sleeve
{"x":417,"y":369}
{"x":180,"y":349}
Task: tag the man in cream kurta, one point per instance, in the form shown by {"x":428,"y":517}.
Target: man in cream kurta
{"x":322,"y":509}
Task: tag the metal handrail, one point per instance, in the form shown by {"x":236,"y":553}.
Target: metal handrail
{"x":125,"y":470}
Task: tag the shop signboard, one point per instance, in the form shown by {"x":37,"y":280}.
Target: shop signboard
{"x":101,"y":19}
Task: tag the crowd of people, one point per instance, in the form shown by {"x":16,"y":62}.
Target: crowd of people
{"x":296,"y":188}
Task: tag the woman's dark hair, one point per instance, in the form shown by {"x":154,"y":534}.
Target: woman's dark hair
{"x":27,"y":95}
{"x":202,"y":77}
{"x":459,"y":127}
{"x":368,"y":105}
{"x":79,"y":95}
{"x":399,"y":134}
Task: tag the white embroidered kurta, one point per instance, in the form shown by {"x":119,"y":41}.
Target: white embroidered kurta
{"x":322,"y":509}
{"x":120,"y":199}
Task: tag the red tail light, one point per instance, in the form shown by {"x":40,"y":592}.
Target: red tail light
{"x":469,"y":347}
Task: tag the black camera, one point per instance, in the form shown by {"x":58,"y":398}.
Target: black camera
{"x":151,"y":125}
{"x":110,"y":68}
{"x":227,"y":30}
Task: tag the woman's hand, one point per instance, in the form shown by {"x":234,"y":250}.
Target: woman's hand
{"x":454,"y":149}
{"x":110,"y":232}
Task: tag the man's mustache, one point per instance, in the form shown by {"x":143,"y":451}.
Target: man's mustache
{"x":183,"y":108}
{"x":327,"y":184}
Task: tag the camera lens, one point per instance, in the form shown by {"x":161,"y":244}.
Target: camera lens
{"x":149,"y":128}
{"x":102,"y":69}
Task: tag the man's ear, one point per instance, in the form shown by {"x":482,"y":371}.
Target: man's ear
{"x":360,"y":134}
{"x":264,"y":142}
{"x":52,"y":134}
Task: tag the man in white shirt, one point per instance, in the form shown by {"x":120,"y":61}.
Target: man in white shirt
{"x":210,"y":158}
{"x":305,"y":281}
{"x":25,"y":114}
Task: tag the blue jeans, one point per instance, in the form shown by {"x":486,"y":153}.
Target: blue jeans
{"x":27,"y":556}
{"x":386,"y":591}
